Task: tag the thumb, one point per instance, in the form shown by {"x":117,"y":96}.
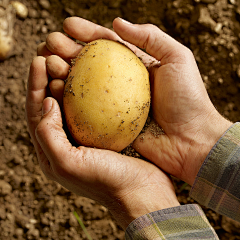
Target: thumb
{"x":50,"y":134}
{"x":147,"y":36}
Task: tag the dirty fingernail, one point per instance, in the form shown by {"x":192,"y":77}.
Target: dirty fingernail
{"x":47,"y":106}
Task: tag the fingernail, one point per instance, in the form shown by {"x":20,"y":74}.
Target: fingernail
{"x":125,"y":21}
{"x":47,"y":106}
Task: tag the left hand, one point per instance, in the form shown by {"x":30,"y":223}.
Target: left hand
{"x":128,"y":187}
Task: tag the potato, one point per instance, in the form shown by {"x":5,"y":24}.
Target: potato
{"x":106,"y":96}
{"x":21,"y":9}
{"x":7,"y":20}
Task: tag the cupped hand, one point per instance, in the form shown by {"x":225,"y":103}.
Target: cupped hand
{"x":129,"y":187}
{"x":180,"y":104}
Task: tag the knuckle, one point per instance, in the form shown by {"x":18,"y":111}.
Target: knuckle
{"x":188,"y":52}
{"x":46,"y":169}
{"x":40,"y":48}
{"x":184,"y":54}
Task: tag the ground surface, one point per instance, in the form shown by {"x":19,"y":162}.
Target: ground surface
{"x":32,"y":207}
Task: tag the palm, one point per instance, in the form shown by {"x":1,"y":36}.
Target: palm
{"x":181,"y":107}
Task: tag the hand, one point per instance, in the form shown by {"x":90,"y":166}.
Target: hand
{"x":128,"y":187}
{"x":180,"y":105}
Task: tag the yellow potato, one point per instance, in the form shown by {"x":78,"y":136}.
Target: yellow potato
{"x":107,"y":96}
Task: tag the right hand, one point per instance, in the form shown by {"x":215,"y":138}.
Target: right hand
{"x":180,"y":104}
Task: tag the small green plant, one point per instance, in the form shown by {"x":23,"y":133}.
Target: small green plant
{"x":183,"y":187}
{"x":82,"y":225}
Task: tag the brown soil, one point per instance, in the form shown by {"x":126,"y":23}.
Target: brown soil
{"x":31,"y":206}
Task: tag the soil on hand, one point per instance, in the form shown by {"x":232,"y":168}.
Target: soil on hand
{"x":33,"y":207}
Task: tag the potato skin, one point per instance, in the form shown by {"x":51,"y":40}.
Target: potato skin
{"x":107,"y":96}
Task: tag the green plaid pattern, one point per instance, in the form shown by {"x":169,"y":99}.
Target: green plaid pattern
{"x":217,"y":185}
{"x":182,"y":222}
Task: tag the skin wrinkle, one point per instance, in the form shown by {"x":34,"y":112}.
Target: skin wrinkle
{"x":62,"y":47}
{"x":57,"y":67}
{"x":42,"y":50}
{"x":146,"y":42}
{"x":149,"y":47}
{"x":30,"y":107}
{"x":152,"y":46}
{"x":179,"y":149}
{"x":134,"y":188}
{"x":98,"y":31}
{"x":44,"y":162}
{"x":87,"y":191}
{"x":34,"y":71}
{"x":160,"y":152}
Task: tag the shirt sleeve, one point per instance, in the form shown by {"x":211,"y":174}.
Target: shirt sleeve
{"x":177,"y":223}
{"x":217,"y":185}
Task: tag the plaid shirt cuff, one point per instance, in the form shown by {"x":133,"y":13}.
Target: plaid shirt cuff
{"x":182,"y":222}
{"x":217,"y":185}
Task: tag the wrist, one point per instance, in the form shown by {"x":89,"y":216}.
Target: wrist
{"x":205,"y":140}
{"x":142,"y":201}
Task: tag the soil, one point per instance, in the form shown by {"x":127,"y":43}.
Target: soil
{"x":32,"y":207}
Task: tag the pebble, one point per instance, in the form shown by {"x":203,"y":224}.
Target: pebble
{"x":32,"y":13}
{"x":7,"y":143}
{"x":33,"y":232}
{"x":16,"y":74}
{"x":10,"y":217}
{"x":44,"y":29}
{"x":19,"y":232}
{"x":218,"y":27}
{"x":70,"y":11}
{"x":21,"y":9}
{"x":114,"y":4}
{"x":2,"y":213}
{"x":205,"y":19}
{"x":73,"y":221}
{"x":44,"y":14}
{"x":44,"y":220}
{"x":230,"y":225}
{"x":22,"y":220}
{"x":50,"y":204}
{"x":16,"y":181}
{"x":234,"y":2}
{"x":45,"y":4}
{"x":2,"y":173}
{"x":78,"y":202}
{"x":5,"y":188}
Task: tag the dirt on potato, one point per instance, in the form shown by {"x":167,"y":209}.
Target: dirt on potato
{"x":33,"y":207}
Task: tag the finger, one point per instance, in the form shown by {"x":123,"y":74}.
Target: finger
{"x":42,"y":50}
{"x":57,"y":67}
{"x":157,"y":43}
{"x":36,"y":92}
{"x":44,"y":158}
{"x":57,"y":89}
{"x":63,"y":158}
{"x":87,"y":31}
{"x":63,"y":46}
